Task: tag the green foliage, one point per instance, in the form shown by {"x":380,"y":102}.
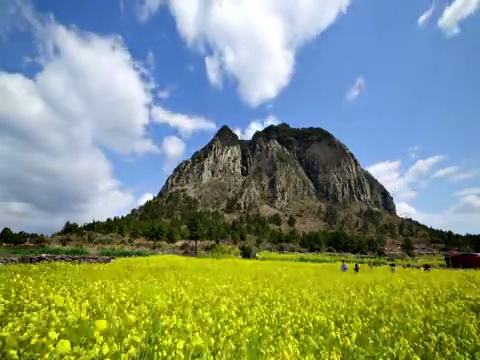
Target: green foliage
{"x":70,"y":228}
{"x":221,"y":251}
{"x":51,"y":251}
{"x":275,"y":219}
{"x":372,"y":216}
{"x":408,"y":246}
{"x":9,"y":237}
{"x":291,"y":221}
{"x":124,"y":253}
{"x":248,"y":252}
{"x":331,"y":215}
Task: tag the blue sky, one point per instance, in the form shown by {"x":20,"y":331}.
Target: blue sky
{"x":99,"y":100}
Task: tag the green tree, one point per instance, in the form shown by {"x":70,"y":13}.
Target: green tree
{"x":173,"y":235}
{"x":275,"y":219}
{"x":195,"y":230}
{"x":6,"y":236}
{"x":70,"y":228}
{"x":408,"y":246}
{"x":331,"y":215}
{"x":291,"y":221}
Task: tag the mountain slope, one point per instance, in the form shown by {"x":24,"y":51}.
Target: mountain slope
{"x":281,"y":169}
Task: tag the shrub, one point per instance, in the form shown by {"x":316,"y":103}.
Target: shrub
{"x":125,"y":253}
{"x":248,"y":252}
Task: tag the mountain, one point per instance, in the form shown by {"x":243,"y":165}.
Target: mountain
{"x":285,"y":189}
{"x":280,"y":169}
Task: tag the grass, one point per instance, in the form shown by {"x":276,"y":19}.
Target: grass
{"x":124,"y":253}
{"x":174,"y":307}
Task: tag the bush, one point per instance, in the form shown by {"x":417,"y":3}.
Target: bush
{"x":248,"y":252}
{"x":51,"y":251}
{"x":124,"y":253}
{"x":221,"y":251}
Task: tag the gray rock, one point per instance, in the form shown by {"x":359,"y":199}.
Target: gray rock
{"x":279,"y":167}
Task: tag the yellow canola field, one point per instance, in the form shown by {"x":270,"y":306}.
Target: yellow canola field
{"x":169,"y":307}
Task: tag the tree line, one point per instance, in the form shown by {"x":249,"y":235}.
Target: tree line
{"x":176,"y":217}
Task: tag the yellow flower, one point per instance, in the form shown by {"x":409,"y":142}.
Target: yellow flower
{"x":101,"y":325}
{"x":63,"y":346}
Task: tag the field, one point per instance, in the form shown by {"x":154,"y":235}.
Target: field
{"x":437,"y":261}
{"x":173,"y":307}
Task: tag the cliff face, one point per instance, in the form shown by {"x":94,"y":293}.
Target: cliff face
{"x":280,"y":167}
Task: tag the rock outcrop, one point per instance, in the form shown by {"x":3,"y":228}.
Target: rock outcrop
{"x":35,"y":259}
{"x":279,"y":167}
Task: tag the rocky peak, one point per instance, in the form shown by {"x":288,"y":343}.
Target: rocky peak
{"x":226,"y":136}
{"x":280,"y":167}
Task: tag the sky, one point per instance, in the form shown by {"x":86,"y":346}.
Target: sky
{"x":100,"y":100}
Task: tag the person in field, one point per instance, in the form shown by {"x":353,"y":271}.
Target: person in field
{"x":393,"y":267}
{"x":357,"y":268}
{"x":344,"y":266}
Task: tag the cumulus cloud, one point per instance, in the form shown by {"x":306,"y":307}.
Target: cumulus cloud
{"x":423,"y":19}
{"x":405,"y":183}
{"x":89,"y":95}
{"x":253,"y":42}
{"x":185,"y":124}
{"x":174,"y":148}
{"x":402,"y":183}
{"x":356,"y":90}
{"x":147,"y":8}
{"x":254,"y":126}
{"x":456,"y":12}
{"x":144,"y":198}
{"x":462,"y":217}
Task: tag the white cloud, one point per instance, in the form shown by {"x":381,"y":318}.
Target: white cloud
{"x":88,"y":96}
{"x":413,"y":151}
{"x":445,"y":172}
{"x":147,"y":8}
{"x":462,"y":217}
{"x":174,"y":148}
{"x":253,"y":42}
{"x":402,"y":183}
{"x":456,"y":12}
{"x":468,"y":204}
{"x":422,"y":20}
{"x":214,"y":71}
{"x":164,"y":94}
{"x":405,"y":183}
{"x":185,"y":124}
{"x":465,"y":175}
{"x":254,"y":126}
{"x":423,"y":166}
{"x":144,"y":198}
{"x":469,"y":191}
{"x":356,"y":90}
{"x":150,"y":61}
